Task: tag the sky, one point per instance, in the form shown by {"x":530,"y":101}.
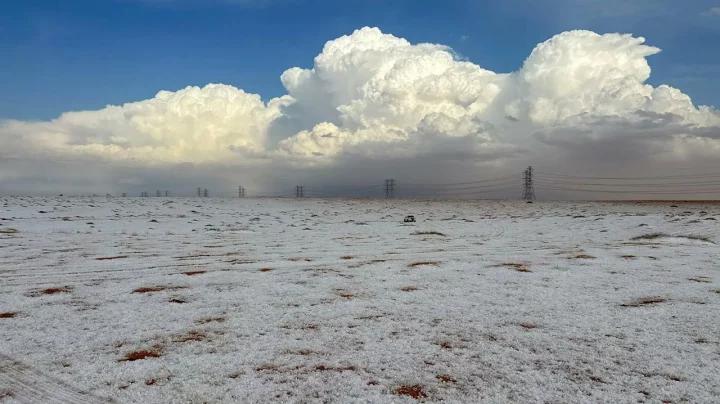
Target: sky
{"x":284,"y":107}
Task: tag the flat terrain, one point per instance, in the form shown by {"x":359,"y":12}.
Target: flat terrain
{"x":265,"y":300}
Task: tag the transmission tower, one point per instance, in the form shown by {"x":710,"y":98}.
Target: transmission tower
{"x":241,"y":191}
{"x":299,"y":191}
{"x":199,"y":192}
{"x":528,"y":187}
{"x":205,"y":192}
{"x":389,"y":188}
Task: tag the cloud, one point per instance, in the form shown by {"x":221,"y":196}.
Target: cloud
{"x":713,"y":11}
{"x":373,"y":99}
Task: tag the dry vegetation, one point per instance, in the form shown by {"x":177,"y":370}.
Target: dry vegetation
{"x":644,"y":301}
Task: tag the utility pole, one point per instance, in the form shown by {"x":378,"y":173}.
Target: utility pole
{"x":299,"y":191}
{"x":528,"y":187}
{"x":241,"y":191}
{"x":390,"y":188}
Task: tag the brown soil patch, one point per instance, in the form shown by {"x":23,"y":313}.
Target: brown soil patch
{"x":345,"y":294}
{"x":152,"y":289}
{"x":644,"y":301}
{"x":628,"y":257}
{"x":323,"y":368}
{"x":116,"y":257}
{"x":446,"y":379}
{"x":207,"y":320}
{"x":193,"y":335}
{"x":8,"y":314}
{"x":347,"y":257}
{"x":428,"y":233}
{"x":265,"y":269}
{"x":296,"y":259}
{"x":518,"y":266}
{"x":51,"y":291}
{"x":584,"y":257}
{"x":416,"y":391}
{"x":303,"y":352}
{"x":193,"y":273}
{"x":445,"y":345}
{"x":528,"y":326}
{"x":177,"y":300}
{"x":650,"y":236}
{"x":423,"y":263}
{"x":408,"y":288}
{"x":150,"y":382}
{"x":140,"y":355}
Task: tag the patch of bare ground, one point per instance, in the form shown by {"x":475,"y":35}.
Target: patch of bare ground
{"x":370,"y":317}
{"x":207,"y":320}
{"x":644,"y":301}
{"x":669,"y":376}
{"x":177,"y":300}
{"x":658,"y":236}
{"x":423,"y":264}
{"x":154,"y":352}
{"x":408,"y":288}
{"x":265,"y":269}
{"x":192,"y":335}
{"x":296,"y":259}
{"x":528,"y":325}
{"x":153,"y":289}
{"x":6,"y":393}
{"x":51,"y":291}
{"x":584,"y":257}
{"x":429,"y":233}
{"x":717,"y":291}
{"x":415,"y":391}
{"x":650,"y":236}
{"x":517,"y":266}
{"x":345,"y":294}
{"x":446,"y":379}
{"x":701,"y":279}
{"x":193,"y":273}
{"x":445,"y":345}
{"x":303,"y":352}
{"x":115,"y":257}
{"x":628,"y":257}
{"x":347,"y":257}
{"x":8,"y":314}
{"x":323,"y":368}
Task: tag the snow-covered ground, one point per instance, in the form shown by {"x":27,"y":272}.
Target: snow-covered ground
{"x":265,"y":300}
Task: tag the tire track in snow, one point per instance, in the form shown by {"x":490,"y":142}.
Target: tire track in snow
{"x":21,"y":383}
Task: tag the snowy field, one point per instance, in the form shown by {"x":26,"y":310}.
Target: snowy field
{"x":266,"y":300}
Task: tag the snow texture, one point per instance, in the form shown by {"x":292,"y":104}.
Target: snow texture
{"x":265,"y":300}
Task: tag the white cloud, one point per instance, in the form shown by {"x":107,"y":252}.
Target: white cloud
{"x":713,"y":11}
{"x":374,"y":96}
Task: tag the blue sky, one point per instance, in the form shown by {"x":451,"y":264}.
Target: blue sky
{"x":85,"y":54}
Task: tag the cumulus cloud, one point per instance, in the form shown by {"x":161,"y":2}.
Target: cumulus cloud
{"x":373,"y":97}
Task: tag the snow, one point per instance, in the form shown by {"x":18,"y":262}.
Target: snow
{"x":340,"y":301}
